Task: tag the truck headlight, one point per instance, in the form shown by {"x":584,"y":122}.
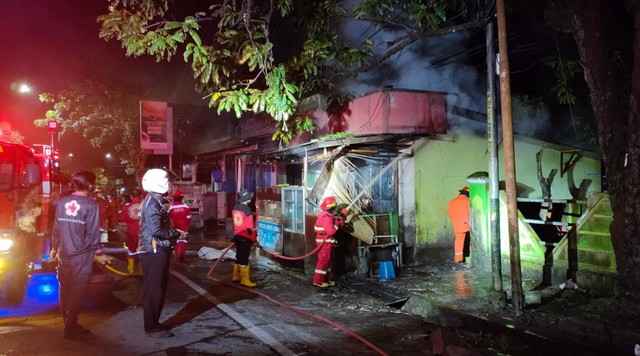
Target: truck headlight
{"x":5,"y":244}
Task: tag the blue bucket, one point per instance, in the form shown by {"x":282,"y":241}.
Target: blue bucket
{"x":386,"y":270}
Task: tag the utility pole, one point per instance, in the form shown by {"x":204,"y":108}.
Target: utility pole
{"x":492,"y":141}
{"x":509,"y":162}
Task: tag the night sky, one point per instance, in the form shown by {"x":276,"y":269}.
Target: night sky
{"x":49,"y":43}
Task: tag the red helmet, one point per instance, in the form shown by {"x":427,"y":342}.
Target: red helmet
{"x":177,"y":194}
{"x":328,"y":203}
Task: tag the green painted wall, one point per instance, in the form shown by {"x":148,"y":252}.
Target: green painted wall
{"x":443,"y":165}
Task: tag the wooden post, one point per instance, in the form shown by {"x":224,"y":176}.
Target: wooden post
{"x":509,"y":162}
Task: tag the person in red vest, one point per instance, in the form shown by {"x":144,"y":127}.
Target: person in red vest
{"x":130,"y":215}
{"x":180,"y":215}
{"x":326,"y":227}
{"x":244,"y":235}
{"x":459,"y":213}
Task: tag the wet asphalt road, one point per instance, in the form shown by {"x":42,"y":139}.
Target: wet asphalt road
{"x":211,"y":318}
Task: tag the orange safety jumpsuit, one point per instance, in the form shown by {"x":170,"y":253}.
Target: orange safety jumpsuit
{"x":459,"y":213}
{"x":325,"y":227}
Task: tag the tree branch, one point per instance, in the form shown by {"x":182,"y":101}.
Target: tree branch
{"x":409,"y":39}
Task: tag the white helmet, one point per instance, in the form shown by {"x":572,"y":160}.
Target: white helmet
{"x":156,"y":180}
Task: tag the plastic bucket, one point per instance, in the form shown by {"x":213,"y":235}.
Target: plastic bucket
{"x":386,"y":270}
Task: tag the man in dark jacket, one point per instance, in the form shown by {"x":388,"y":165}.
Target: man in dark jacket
{"x":75,"y":240}
{"x":157,"y":238}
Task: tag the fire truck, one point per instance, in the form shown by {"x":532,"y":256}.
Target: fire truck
{"x":24,"y":205}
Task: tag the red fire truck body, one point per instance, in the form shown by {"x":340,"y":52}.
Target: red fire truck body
{"x":23,"y":221}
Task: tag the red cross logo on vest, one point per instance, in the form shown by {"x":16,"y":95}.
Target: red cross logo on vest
{"x":237,"y":218}
{"x":134,"y":211}
{"x":72,"y":208}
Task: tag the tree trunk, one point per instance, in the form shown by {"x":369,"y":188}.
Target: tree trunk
{"x":614,"y":98}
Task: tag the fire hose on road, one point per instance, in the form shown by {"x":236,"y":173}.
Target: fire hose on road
{"x":289,"y":307}
{"x":327,"y":321}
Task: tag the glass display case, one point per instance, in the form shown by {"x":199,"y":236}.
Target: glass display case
{"x":270,"y":210}
{"x":293,"y":213}
{"x":270,"y":218}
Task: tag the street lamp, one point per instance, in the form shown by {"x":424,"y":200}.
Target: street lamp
{"x":24,"y":88}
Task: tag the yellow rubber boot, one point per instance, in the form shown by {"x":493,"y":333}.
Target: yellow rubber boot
{"x":131,"y":265}
{"x":244,"y":275}
{"x":236,"y":273}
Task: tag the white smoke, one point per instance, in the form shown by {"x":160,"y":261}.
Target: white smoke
{"x":442,"y":64}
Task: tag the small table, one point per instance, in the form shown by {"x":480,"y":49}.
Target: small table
{"x":393,"y":245}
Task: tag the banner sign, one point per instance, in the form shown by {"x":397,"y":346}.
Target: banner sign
{"x":270,"y":236}
{"x":169,"y":149}
{"x":153,"y":125}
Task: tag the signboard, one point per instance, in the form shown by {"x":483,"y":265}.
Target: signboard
{"x":270,"y":236}
{"x":169,"y":149}
{"x":153,"y":125}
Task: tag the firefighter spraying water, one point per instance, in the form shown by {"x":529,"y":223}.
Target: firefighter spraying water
{"x":326,"y":227}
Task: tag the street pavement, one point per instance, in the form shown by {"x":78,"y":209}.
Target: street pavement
{"x":210,"y":316}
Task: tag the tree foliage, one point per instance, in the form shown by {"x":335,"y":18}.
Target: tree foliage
{"x":246,"y":58}
{"x":607,"y":35}
{"x":102,"y":116}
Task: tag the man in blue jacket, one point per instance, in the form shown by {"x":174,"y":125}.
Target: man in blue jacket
{"x":157,"y":239}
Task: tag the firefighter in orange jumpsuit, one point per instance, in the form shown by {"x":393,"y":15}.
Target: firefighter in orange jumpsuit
{"x":130,"y":215}
{"x":459,"y":213}
{"x":180,"y":215}
{"x":326,"y":227}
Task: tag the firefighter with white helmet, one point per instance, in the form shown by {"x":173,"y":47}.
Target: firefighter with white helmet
{"x":154,"y":249}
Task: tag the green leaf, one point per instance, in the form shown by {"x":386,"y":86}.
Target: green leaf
{"x":196,"y":37}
